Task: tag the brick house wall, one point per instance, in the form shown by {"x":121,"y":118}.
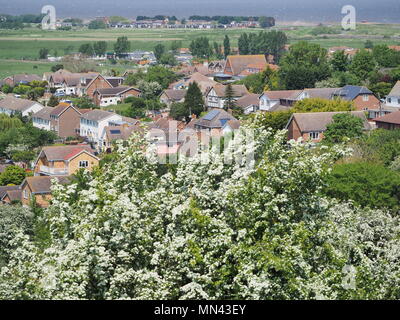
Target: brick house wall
{"x":99,"y":83}
{"x":73,"y":165}
{"x":67,"y":123}
{"x":387,"y":126}
{"x":372,"y":103}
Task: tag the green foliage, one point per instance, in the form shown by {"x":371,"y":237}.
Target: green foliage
{"x":363,"y":64}
{"x":200,"y":47}
{"x":168,"y":59}
{"x":53,"y":101}
{"x":100,"y":48}
{"x":212,"y":230}
{"x":160,"y":74}
{"x":262,"y":81}
{"x":322,"y":105}
{"x":381,"y":89}
{"x":159,"y":50}
{"x":194,"y":99}
{"x":272,"y":42}
{"x":227,"y":46}
{"x":323,"y":30}
{"x":122,"y":45}
{"x":380,"y":146}
{"x":270,"y":120}
{"x":368,"y":44}
{"x":7,"y":122}
{"x":340,"y":61}
{"x":84,"y":102}
{"x":43,"y":53}
{"x":12,"y":175}
{"x":86,"y":49}
{"x":6,"y":88}
{"x":179,"y":111}
{"x":97,"y":24}
{"x":13,"y":220}
{"x":26,"y":135}
{"x":344,"y":126}
{"x":386,"y":57}
{"x":303,"y":66}
{"x":266,"y":22}
{"x":367,"y":184}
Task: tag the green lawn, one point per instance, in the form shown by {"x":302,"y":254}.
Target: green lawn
{"x":118,"y":108}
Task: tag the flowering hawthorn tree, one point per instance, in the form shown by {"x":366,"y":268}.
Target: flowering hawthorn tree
{"x":213,"y":230}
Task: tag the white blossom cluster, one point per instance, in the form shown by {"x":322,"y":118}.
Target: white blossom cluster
{"x":207,"y":231}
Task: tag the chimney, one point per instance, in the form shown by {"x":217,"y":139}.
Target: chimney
{"x":194,"y":116}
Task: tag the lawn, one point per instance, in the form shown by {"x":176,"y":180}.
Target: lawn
{"x":118,"y":108}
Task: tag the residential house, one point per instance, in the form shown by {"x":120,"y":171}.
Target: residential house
{"x":244,"y":65}
{"x":216,"y":95}
{"x":362,"y":97}
{"x":41,"y":119}
{"x":111,"y":96}
{"x":202,"y":81}
{"x":321,"y":93}
{"x":9,"y":194}
{"x":65,"y":160}
{"x":11,"y":105}
{"x":93,"y":123}
{"x":389,"y":121}
{"x":38,"y":189}
{"x":65,"y":120}
{"x":216,"y":122}
{"x":311,"y":126}
{"x":279,"y":100}
{"x":120,"y":132}
{"x":98,"y":82}
{"x":170,"y":96}
{"x":164,"y":133}
{"x":249,"y":103}
{"x":18,"y":79}
{"x":393,"y":98}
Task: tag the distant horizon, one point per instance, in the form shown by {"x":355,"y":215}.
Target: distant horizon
{"x":388,"y":11}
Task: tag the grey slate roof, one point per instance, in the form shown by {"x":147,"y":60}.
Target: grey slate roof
{"x":323,"y":93}
{"x":44,"y":113}
{"x":318,"y":121}
{"x":175,"y":95}
{"x":4,"y":189}
{"x":16,"y":104}
{"x":351,"y":92}
{"x":216,"y":118}
{"x":248,"y":100}
{"x":97,"y":115}
{"x":396,"y":90}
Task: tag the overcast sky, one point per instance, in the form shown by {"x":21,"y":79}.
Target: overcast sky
{"x":308,"y":10}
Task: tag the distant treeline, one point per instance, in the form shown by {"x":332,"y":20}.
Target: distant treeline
{"x":224,"y":18}
{"x":17,"y":22}
{"x":157,"y":17}
{"x":219,"y":19}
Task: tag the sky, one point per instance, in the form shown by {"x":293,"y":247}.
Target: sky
{"x":283,"y":10}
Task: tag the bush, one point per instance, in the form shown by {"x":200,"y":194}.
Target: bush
{"x":367,"y":184}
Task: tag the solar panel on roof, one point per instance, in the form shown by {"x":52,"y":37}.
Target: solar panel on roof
{"x":115,"y":131}
{"x":211,"y":115}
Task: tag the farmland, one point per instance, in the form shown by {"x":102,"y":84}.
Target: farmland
{"x":25,"y":44}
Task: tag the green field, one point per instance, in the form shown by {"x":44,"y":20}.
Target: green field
{"x":25,"y":44}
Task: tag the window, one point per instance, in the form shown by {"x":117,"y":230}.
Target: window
{"x":365,"y":97}
{"x":83,"y":164}
{"x":25,"y":194}
{"x":389,"y":100}
{"x":314,"y":135}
